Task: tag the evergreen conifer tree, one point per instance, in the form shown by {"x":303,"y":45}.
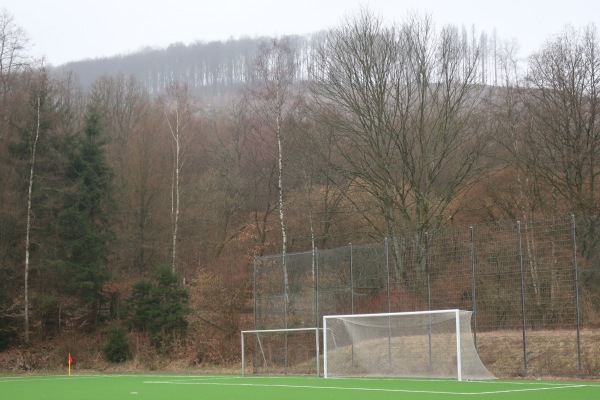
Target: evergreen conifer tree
{"x":84,"y":220}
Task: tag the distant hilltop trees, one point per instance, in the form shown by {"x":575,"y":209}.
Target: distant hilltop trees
{"x":209,"y":69}
{"x":221,"y":67}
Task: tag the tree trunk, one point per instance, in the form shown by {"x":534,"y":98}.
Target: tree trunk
{"x":29,"y":212}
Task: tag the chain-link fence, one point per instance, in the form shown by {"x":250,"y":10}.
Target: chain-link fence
{"x":533,"y":287}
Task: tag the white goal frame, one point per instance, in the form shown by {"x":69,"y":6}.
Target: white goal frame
{"x":456,"y":312}
{"x":283,"y":330}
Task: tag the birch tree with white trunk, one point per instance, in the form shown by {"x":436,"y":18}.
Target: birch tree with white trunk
{"x":178,"y":110}
{"x":272,"y":98}
{"x":33,"y":142}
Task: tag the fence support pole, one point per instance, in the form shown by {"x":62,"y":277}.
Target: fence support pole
{"x":576,"y":272}
{"x":254,"y":291}
{"x":316,"y":285}
{"x":427,"y":271}
{"x":318,"y":310}
{"x":387,"y":267}
{"x":352,"y":302}
{"x":285,"y":309}
{"x":473,"y":293}
{"x":522,"y":297}
{"x":254,"y":366}
{"x":428,"y":301}
{"x":387,"y":270}
{"x":351,"y":282}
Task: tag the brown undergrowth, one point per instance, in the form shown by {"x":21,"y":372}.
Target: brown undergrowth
{"x":550,"y":355}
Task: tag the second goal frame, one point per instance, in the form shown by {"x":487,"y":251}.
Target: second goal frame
{"x":258,"y":332}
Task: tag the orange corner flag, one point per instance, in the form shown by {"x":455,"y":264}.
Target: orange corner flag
{"x":70,"y":362}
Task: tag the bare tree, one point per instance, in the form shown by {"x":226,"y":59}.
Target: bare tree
{"x":33,"y":142}
{"x":13,"y":45}
{"x":178,"y":110}
{"x":325,"y":190}
{"x":259,"y":172}
{"x":272,"y":99}
{"x":561,"y":139}
{"x":516,"y":191}
{"x":563,"y":105}
{"x":512,"y":192}
{"x":230,"y":185}
{"x":147,"y":181}
{"x":136,"y":154}
{"x":405,"y":110}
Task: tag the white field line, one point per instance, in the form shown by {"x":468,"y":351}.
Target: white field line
{"x":300,"y":387}
{"x":181,"y":378}
{"x":484,"y":382}
{"x":9,"y":379}
{"x":54,"y":378}
{"x":533,"y":389}
{"x":361,"y":389}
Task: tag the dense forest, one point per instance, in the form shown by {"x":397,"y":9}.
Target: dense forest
{"x":136,"y":190}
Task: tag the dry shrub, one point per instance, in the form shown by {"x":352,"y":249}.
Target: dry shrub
{"x":220,"y":304}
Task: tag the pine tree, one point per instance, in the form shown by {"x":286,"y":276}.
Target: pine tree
{"x":160,"y":308}
{"x":84,"y":220}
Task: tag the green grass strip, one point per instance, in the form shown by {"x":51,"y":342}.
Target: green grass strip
{"x":184,"y":387}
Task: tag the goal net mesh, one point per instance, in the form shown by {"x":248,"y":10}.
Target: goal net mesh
{"x":422,"y":344}
{"x":281,"y":351}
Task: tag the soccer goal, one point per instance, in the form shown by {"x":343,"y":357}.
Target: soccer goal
{"x":281,"y":351}
{"x":424,"y":344}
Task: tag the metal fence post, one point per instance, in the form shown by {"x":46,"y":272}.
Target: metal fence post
{"x":254,"y":366}
{"x":351,"y":282}
{"x":473,"y":293}
{"x":317,"y":287}
{"x":577,"y":311}
{"x":387,"y":269}
{"x":427,"y":271}
{"x":429,"y":302}
{"x":352,"y":302}
{"x":254,"y":292}
{"x":522,"y":296}
{"x":285,"y":309}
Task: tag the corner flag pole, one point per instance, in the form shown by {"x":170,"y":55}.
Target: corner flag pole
{"x":70,"y":360}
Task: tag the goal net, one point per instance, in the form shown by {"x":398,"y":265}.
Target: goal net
{"x":425,"y":344}
{"x":281,"y":351}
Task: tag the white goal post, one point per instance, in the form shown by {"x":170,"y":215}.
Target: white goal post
{"x":424,"y":344}
{"x":292,"y":351}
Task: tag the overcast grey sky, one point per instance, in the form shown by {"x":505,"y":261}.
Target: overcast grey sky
{"x":71,"y":30}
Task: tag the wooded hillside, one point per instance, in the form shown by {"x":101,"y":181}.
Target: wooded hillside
{"x":192,"y":160}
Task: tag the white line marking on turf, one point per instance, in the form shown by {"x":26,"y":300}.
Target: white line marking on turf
{"x":534,"y":389}
{"x":11,"y":379}
{"x":359,"y":388}
{"x":297,"y":387}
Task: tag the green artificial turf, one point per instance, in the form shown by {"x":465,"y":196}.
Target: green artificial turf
{"x":183,"y":387}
